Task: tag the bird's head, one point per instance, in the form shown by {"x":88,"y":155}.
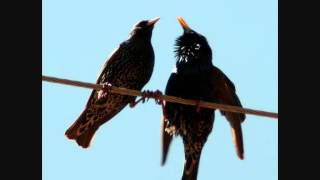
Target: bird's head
{"x":191,"y":46}
{"x":143,"y":29}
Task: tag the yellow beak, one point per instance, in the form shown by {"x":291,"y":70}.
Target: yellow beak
{"x":183,"y":23}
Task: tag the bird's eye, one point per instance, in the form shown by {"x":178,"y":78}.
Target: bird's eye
{"x":197,"y":46}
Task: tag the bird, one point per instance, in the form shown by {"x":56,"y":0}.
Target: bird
{"x":195,"y":77}
{"x":130,"y":66}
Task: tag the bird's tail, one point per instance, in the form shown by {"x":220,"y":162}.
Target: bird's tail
{"x":192,"y":152}
{"x":236,"y":131}
{"x":191,"y":166}
{"x":82,"y":131}
{"x":166,"y":139}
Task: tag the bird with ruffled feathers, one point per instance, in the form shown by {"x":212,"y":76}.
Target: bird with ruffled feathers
{"x":195,"y":77}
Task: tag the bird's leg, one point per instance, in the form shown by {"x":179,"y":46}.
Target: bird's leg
{"x":106,"y":88}
{"x":157,"y":96}
{"x":143,"y":98}
{"x":146,"y":95}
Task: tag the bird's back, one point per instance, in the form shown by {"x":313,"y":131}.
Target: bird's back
{"x":131,"y":67}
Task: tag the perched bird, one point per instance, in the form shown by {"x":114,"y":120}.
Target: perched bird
{"x":195,"y":77}
{"x":129,"y":66}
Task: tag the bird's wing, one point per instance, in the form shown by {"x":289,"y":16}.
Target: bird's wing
{"x":225,"y":93}
{"x":104,"y":71}
{"x":171,"y":89}
{"x":165,"y":141}
{"x":82,"y":122}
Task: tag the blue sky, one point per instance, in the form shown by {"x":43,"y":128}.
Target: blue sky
{"x":79,"y":35}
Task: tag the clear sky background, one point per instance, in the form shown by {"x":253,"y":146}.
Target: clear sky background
{"x":77,"y":37}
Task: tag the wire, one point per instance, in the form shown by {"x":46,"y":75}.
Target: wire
{"x":131,"y":92}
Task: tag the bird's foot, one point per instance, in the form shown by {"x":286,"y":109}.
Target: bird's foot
{"x":146,"y":95}
{"x":143,"y":98}
{"x":157,"y":96}
{"x":106,"y":88}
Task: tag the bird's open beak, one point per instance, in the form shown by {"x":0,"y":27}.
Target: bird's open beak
{"x":153,"y":21}
{"x":183,"y":24}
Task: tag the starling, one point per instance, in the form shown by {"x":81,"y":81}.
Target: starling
{"x":129,"y":66}
{"x":195,"y":77}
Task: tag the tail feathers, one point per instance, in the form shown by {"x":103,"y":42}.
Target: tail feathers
{"x":165,"y":142}
{"x":82,"y":139}
{"x":85,"y":139}
{"x":190,"y":171}
{"x":236,"y":131}
{"x":192,"y":152}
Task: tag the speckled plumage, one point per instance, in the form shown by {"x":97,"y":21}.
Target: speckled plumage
{"x":129,"y":66}
{"x":196,"y":78}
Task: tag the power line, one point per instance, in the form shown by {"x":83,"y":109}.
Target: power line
{"x":131,"y":92}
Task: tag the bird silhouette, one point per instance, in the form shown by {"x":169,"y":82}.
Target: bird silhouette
{"x":195,"y":77}
{"x":129,"y":66}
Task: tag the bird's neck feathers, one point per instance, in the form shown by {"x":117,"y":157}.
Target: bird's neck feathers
{"x":193,"y":55}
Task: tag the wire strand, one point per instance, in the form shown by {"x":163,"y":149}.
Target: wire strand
{"x":131,"y":92}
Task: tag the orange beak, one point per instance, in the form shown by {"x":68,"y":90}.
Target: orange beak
{"x":183,"y":23}
{"x":153,"y":21}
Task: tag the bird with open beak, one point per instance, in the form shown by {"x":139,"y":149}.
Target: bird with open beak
{"x":195,"y":77}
